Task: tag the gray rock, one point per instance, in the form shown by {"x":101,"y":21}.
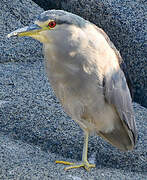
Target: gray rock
{"x":125,"y":23}
{"x":35,"y":131}
{"x":48,"y":4}
{"x":13,"y":15}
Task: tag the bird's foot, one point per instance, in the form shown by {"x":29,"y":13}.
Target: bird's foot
{"x":84,"y":164}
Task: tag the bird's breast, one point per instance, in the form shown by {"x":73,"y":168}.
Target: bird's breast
{"x":79,"y":89}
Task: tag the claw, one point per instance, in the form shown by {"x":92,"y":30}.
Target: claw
{"x":84,"y":164}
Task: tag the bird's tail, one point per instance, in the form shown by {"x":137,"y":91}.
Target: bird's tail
{"x":121,"y":137}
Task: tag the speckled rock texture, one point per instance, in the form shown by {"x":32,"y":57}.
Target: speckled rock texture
{"x":34,"y":130}
{"x":15,"y":14}
{"x":124,"y":22}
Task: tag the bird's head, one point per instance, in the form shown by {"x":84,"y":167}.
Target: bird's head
{"x":51,"y":25}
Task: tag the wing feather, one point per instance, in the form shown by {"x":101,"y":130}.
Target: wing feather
{"x":118,"y":90}
{"x":120,"y":60}
{"x":117,"y":93}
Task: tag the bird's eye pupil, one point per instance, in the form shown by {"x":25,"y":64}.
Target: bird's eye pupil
{"x":52,"y":24}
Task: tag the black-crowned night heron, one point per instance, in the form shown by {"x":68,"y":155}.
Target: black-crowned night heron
{"x":83,"y":67}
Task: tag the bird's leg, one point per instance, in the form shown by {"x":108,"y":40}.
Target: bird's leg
{"x":84,"y":162}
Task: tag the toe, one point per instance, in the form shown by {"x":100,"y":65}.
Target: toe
{"x":84,"y":164}
{"x":64,"y":162}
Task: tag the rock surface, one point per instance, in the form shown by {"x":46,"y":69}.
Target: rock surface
{"x":34,"y":130}
{"x":13,"y":15}
{"x":125,"y":23}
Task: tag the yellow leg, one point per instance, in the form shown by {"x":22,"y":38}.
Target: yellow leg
{"x":84,"y":162}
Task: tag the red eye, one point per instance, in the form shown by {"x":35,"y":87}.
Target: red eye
{"x":52,"y":24}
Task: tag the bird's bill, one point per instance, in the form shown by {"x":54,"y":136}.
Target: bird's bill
{"x":26,"y":31}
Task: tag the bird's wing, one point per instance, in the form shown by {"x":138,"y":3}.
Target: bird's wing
{"x":120,"y":60}
{"x":116,"y":93}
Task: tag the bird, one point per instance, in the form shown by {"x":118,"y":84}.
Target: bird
{"x":83,"y":68}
